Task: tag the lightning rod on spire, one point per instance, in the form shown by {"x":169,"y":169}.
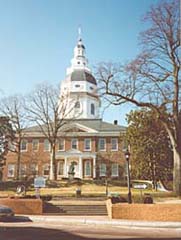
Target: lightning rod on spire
{"x":79,"y":32}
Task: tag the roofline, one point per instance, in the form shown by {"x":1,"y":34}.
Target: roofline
{"x":76,"y":134}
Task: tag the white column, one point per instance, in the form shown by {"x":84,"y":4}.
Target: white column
{"x":80,"y":167}
{"x":94,"y":166}
{"x":65,"y":167}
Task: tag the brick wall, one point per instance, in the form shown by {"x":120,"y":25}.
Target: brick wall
{"x":23,"y":206}
{"x":41,"y":157}
{"x":146,"y":212}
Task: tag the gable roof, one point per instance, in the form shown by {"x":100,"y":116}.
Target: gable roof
{"x":89,"y":126}
{"x":100,"y":126}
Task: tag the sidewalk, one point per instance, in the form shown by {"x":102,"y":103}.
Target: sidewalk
{"x":100,"y":220}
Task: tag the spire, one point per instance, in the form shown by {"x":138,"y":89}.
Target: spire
{"x":80,"y":44}
{"x":79,"y":33}
{"x":79,"y":60}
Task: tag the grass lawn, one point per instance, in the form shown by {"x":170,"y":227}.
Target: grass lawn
{"x":90,"y":189}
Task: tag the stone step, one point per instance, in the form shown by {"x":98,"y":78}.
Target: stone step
{"x":56,"y":198}
{"x":75,"y":209}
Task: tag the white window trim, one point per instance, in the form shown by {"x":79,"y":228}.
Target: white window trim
{"x":12,"y":168}
{"x":89,"y":175}
{"x":63,"y":162}
{"x":117,"y":170}
{"x":47,"y":165}
{"x":90,"y":144}
{"x":92,"y":105}
{"x":37,"y":147}
{"x":24,"y":150}
{"x":113,"y":150}
{"x":104,"y":144}
{"x":77,"y":144}
{"x":45,"y":150}
{"x":34,"y":169}
{"x":102,"y":175}
{"x":62,"y":150}
{"x":23,"y":168}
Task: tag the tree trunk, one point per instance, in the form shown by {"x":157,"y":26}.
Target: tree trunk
{"x":18,"y":162}
{"x":52,"y":164}
{"x":51,"y":174}
{"x":177,"y":172}
{"x":176,"y":146}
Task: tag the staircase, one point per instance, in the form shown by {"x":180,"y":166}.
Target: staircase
{"x":75,"y":208}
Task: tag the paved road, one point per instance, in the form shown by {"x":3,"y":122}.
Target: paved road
{"x":59,"y":231}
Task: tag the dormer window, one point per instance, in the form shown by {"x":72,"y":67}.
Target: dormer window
{"x":92,"y":109}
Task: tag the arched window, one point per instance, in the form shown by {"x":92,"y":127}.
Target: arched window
{"x":92,"y":109}
{"x":77,"y":104}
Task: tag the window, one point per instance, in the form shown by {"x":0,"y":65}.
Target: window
{"x":2,"y":143}
{"x":102,"y":144}
{"x":74,"y":143}
{"x":23,"y":169}
{"x":35,"y":144}
{"x":61,"y":144}
{"x":11,"y":170}
{"x":114,"y":170}
{"x":34,"y":169}
{"x":46,"y":170}
{"x":77,"y":104}
{"x":24,"y":144}
{"x":11,"y":146}
{"x":102,"y":172}
{"x":87,"y":168}
{"x":60,"y":168}
{"x":87,"y":144}
{"x":92,"y":109}
{"x":77,"y":108}
{"x":46,"y":145}
{"x":114,"y":144}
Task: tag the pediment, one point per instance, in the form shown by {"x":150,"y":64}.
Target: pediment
{"x":74,"y":151}
{"x":76,"y":127}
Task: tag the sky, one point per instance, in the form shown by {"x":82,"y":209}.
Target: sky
{"x":37,"y":38}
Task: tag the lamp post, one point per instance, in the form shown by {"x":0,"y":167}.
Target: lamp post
{"x":127,"y":155}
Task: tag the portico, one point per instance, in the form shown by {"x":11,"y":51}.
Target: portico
{"x":84,"y":163}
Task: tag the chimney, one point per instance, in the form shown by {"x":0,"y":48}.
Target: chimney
{"x":115,"y":122}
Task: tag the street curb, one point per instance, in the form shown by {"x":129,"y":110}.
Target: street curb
{"x":121,"y":223}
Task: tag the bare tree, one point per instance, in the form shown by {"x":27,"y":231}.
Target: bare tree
{"x":6,"y":135}
{"x":152,"y":79}
{"x":12,"y":107}
{"x":44,"y":109}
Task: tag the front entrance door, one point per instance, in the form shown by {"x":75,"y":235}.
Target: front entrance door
{"x":75,"y":164}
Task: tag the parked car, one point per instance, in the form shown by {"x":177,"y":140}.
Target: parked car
{"x":6,"y":211}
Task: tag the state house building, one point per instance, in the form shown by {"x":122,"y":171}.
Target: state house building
{"x":93,"y":145}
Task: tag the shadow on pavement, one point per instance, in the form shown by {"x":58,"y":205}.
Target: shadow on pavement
{"x":29,"y":233}
{"x":15,"y":219}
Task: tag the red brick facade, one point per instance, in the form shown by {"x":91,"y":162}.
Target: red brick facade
{"x":32,"y":160}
